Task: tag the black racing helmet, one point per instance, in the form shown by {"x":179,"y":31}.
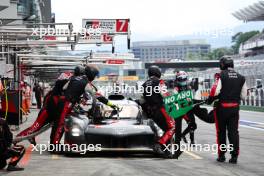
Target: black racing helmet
{"x":226,"y":62}
{"x":79,"y":70}
{"x":154,"y":71}
{"x":91,"y":72}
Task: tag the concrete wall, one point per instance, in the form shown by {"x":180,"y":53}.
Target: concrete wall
{"x":4,"y":4}
{"x":10,"y":12}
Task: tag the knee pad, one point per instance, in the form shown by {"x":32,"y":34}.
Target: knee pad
{"x":3,"y":163}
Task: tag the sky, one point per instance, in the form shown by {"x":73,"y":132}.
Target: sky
{"x":158,"y":19}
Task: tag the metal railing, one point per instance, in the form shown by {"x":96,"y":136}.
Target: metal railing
{"x":255,"y":98}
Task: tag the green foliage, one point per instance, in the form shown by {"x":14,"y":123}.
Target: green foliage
{"x":240,"y":38}
{"x":217,"y":53}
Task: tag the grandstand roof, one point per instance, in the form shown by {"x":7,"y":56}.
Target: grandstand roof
{"x":253,"y":12}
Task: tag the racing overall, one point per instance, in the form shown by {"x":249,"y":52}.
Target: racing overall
{"x":155,"y":108}
{"x":93,"y":91}
{"x":189,"y":118}
{"x":48,"y":113}
{"x":41,"y":120}
{"x":77,"y":86}
{"x":202,"y":113}
{"x":6,"y":149}
{"x":230,"y":88}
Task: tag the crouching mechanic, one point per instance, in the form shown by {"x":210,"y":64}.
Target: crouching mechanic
{"x":77,"y":86}
{"x":153,"y":105}
{"x":7,"y":151}
{"x":230,"y":89}
{"x":47,"y":113}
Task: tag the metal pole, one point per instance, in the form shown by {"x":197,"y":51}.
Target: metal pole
{"x":15,"y":72}
{"x":19,"y":91}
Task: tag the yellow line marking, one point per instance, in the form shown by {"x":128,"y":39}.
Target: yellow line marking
{"x":55,"y":157}
{"x":193,"y":155}
{"x":25,"y":160}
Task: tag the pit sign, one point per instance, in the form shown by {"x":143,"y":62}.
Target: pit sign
{"x":179,"y":104}
{"x":107,"y":26}
{"x":93,"y":39}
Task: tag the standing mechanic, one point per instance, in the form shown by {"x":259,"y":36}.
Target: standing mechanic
{"x":153,"y":105}
{"x":38,"y":94}
{"x":77,"y":86}
{"x":182,"y":85}
{"x":229,"y":89}
{"x":7,"y":151}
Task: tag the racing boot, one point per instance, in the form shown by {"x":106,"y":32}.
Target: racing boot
{"x":33,"y":141}
{"x":184,"y":139}
{"x":2,"y":163}
{"x":168,"y":155}
{"x":159,"y":149}
{"x":14,"y":168}
{"x":192,"y":137}
{"x":233,"y":159}
{"x":177,"y":154}
{"x":221,"y":158}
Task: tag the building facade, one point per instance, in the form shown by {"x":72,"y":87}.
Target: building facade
{"x":166,"y":50}
{"x":16,"y":13}
{"x":19,"y":11}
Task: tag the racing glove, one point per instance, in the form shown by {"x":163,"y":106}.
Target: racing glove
{"x":113,"y":106}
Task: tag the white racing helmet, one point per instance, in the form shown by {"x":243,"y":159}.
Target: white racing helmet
{"x":181,"y":78}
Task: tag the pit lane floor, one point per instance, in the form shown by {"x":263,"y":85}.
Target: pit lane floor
{"x":251,"y":160}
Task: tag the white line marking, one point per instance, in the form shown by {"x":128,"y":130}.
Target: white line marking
{"x":193,"y":155}
{"x":252,"y":112}
{"x":252,"y":127}
{"x":251,"y":122}
{"x":55,"y":157}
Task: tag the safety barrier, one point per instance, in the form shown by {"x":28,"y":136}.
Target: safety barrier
{"x":255,"y":98}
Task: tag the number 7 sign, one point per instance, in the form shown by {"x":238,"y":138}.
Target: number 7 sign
{"x":122,"y":25}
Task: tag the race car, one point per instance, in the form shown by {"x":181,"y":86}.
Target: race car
{"x":126,"y":128}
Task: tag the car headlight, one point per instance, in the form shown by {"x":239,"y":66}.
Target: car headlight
{"x":76,"y":131}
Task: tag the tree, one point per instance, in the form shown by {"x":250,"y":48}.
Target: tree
{"x":217,"y":53}
{"x":195,"y":56}
{"x":240,"y":38}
